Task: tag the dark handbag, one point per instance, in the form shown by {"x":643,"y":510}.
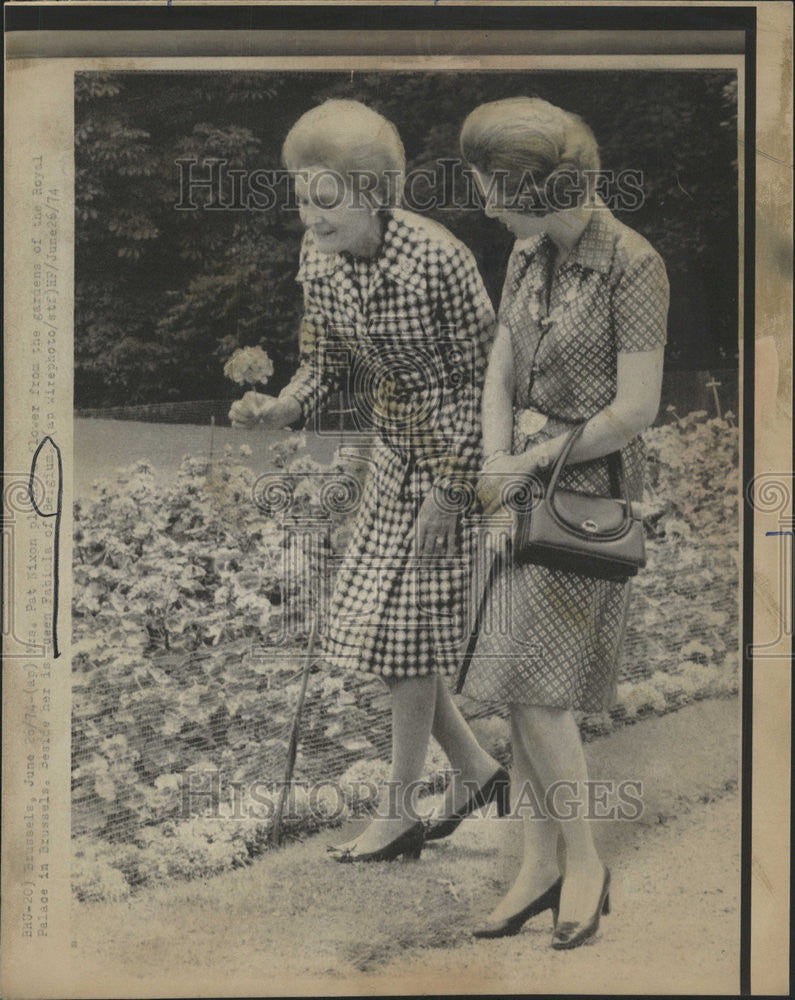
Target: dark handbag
{"x":593,"y":536}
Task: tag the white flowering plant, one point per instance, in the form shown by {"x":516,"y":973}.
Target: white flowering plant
{"x":179,"y":588}
{"x":249,"y":366}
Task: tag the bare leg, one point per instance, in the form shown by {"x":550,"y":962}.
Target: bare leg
{"x":413,"y":706}
{"x":413,"y":701}
{"x":538,"y":869}
{"x":469,"y":761}
{"x":552,"y":740}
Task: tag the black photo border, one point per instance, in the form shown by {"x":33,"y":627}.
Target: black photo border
{"x":111,"y":17}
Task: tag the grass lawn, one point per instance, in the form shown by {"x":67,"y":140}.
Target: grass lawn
{"x":296,"y":923}
{"x":100,"y":446}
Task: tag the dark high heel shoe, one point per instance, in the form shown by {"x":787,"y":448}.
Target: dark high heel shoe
{"x":549,"y":900}
{"x":409,"y":843}
{"x":570,"y":934}
{"x":497,"y":789}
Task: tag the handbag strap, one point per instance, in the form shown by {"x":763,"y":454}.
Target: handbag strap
{"x":615,"y":462}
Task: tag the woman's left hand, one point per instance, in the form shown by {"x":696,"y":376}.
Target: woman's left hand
{"x":500,"y":472}
{"x":435,"y":528}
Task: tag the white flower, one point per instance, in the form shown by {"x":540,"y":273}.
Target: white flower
{"x":696,"y":648}
{"x":171,"y":782}
{"x":249,"y":366}
{"x":635,"y":695}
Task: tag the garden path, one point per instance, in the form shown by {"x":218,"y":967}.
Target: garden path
{"x":294,"y":923}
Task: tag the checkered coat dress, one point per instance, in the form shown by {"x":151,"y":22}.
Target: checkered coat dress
{"x":406,"y":336}
{"x":550,"y":637}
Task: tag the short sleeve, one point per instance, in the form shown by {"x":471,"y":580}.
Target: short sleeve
{"x":640,"y":305}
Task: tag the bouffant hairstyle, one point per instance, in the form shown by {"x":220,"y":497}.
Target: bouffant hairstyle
{"x":354,"y":141}
{"x":546,"y":157}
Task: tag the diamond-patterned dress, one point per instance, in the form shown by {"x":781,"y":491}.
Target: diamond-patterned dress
{"x":555,"y":637}
{"x":406,"y":337}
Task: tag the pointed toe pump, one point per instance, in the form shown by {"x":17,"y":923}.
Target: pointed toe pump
{"x":496,"y":789}
{"x":571,"y":933}
{"x":549,"y":900}
{"x":408,"y":844}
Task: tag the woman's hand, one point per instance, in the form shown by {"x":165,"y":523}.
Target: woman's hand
{"x":256,"y":408}
{"x":435,"y":528}
{"x":502,"y":471}
{"x":499,"y":472}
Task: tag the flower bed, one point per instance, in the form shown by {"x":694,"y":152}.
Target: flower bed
{"x":181,"y":594}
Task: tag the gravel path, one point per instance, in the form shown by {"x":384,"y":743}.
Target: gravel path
{"x":293,"y":923}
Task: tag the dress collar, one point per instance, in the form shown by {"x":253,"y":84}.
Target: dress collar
{"x":397,"y":257}
{"x":593,"y":250}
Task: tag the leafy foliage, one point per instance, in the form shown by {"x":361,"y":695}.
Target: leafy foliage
{"x":190,"y":612}
{"x":180,"y":672}
{"x":163,"y":296}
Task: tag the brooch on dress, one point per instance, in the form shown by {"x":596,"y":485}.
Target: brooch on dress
{"x":530,"y":422}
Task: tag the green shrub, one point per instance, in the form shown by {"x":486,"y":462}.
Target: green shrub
{"x":179,"y":594}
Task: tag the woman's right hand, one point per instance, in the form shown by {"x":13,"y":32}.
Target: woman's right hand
{"x":256,"y":408}
{"x":501,"y":471}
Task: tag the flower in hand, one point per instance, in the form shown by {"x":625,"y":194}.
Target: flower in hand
{"x":249,"y":366}
{"x":252,"y":366}
{"x":256,"y":408}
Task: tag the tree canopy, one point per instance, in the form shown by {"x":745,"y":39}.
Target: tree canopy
{"x":163,"y":295}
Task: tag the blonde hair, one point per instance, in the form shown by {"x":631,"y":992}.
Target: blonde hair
{"x":352,"y":140}
{"x":532,"y":143}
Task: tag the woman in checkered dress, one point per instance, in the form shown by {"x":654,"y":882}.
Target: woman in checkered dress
{"x":580,"y":336}
{"x":395,"y":309}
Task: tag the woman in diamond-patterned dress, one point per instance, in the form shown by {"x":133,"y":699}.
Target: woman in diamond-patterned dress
{"x":581,"y":329}
{"x":395,"y":312}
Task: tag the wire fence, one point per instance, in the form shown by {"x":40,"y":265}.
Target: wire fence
{"x":170,"y":738}
{"x":715,"y":392}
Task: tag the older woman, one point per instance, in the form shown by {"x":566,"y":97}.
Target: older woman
{"x":395,"y":304}
{"x":580,"y":336}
